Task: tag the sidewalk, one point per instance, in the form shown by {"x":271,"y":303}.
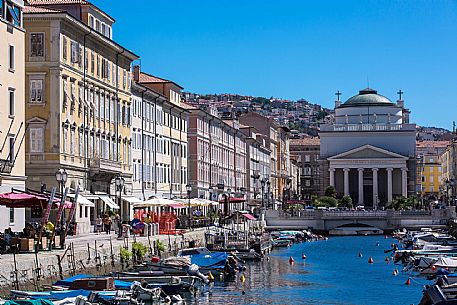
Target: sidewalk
{"x":84,"y":258}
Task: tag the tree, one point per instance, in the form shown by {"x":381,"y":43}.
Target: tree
{"x":330,"y":191}
{"x":346,"y":202}
{"x":326,"y":201}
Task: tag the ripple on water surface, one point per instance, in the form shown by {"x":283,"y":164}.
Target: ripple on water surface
{"x":332,"y":274}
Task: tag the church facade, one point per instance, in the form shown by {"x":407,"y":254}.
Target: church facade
{"x":368,"y":151}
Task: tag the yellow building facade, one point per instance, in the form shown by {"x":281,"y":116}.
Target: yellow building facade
{"x":78,"y":101}
{"x":429,"y":166}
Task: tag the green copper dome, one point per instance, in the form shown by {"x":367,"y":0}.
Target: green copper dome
{"x":367,"y":97}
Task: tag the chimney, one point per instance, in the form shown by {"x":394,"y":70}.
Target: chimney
{"x":136,"y":73}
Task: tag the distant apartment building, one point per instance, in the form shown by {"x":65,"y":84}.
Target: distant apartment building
{"x":217,"y":155}
{"x":257,"y":165}
{"x":78,"y":102}
{"x":159,"y":138}
{"x":277,"y":140}
{"x":449,"y":168}
{"x":12,"y":103}
{"x":429,"y":168}
{"x":311,"y":179}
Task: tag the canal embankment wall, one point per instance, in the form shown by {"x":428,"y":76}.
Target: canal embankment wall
{"x":90,"y":254}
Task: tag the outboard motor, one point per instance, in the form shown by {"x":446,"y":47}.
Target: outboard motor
{"x":194,"y":271}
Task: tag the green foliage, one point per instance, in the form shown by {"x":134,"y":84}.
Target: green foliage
{"x":346,"y":202}
{"x":330,"y":191}
{"x":125,"y":254}
{"x":326,"y":201}
{"x":139,"y":250}
{"x":160,"y":246}
{"x":403,"y":203}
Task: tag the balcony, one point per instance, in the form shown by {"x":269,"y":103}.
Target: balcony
{"x":367,"y":127}
{"x":103,"y":166}
{"x":6,"y":166}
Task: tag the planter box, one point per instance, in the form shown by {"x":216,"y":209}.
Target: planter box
{"x":27,"y":244}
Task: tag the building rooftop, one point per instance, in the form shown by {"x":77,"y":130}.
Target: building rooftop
{"x":305,"y":141}
{"x":38,"y":10}
{"x":437,"y":144}
{"x":367,"y":97}
{"x":146,"y":78}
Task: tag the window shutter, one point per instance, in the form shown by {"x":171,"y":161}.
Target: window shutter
{"x":33,"y":91}
{"x":39,"y":90}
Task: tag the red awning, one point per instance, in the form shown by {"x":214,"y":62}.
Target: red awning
{"x":233,"y":200}
{"x":24,"y":200}
{"x":249,"y":216}
{"x":175,"y":205}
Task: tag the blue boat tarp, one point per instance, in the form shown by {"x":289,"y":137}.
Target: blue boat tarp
{"x":61,"y":295}
{"x":29,"y":302}
{"x":214,"y":260}
{"x":68,"y":281}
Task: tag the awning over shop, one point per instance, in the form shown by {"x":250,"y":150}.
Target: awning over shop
{"x":249,"y":216}
{"x":131,"y":200}
{"x":176,"y":206}
{"x":233,"y":200}
{"x":83,"y":200}
{"x":109,"y":202}
{"x":25,"y":200}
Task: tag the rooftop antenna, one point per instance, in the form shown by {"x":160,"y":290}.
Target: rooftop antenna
{"x":453,"y":127}
{"x":368,"y":82}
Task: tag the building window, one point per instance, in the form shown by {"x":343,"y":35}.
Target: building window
{"x":36,"y":140}
{"x":37,"y":44}
{"x":81,"y":143}
{"x":11,"y":146}
{"x":11,"y":215}
{"x":36,"y":91}
{"x":72,"y":141}
{"x":92,"y":62}
{"x":13,"y":14}
{"x":64,"y":48}
{"x":11,"y":58}
{"x":91,"y":21}
{"x":11,"y":102}
{"x":64,"y":140}
{"x":75,"y":52}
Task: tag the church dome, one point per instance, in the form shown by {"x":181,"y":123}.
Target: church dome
{"x":367,"y":97}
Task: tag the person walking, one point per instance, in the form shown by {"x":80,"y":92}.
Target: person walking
{"x":98,"y":225}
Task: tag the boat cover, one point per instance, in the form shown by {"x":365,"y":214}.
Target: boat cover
{"x":214,"y":260}
{"x":68,"y":281}
{"x":51,"y":295}
{"x":29,"y":302}
{"x":446,"y":262}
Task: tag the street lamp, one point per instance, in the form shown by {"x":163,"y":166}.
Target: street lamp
{"x":243,"y":194}
{"x":61,"y":177}
{"x":189,"y":190}
{"x":120,"y":181}
{"x":268,"y":193}
{"x":229,"y":191}
{"x":262,"y":183}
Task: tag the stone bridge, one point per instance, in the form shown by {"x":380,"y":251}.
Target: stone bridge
{"x":389,"y":220}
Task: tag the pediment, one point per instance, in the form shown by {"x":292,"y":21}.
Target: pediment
{"x":36,"y":120}
{"x":368,"y":152}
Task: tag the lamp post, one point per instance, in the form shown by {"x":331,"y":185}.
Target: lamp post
{"x":61,"y":177}
{"x":189,"y":190}
{"x":120,"y":181}
{"x":268,"y":193}
{"x":243,"y":194}
{"x":229,"y":191}
{"x":262,"y":183}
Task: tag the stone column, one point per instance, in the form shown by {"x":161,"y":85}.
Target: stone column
{"x":389,"y":184}
{"x":360,"y":186}
{"x":375,"y":188}
{"x":332,"y":177}
{"x":346,"y":181}
{"x":404,"y":182}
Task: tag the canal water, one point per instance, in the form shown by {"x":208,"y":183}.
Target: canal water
{"x":332,"y":274}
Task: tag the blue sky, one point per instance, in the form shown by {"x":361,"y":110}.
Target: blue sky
{"x":300,"y":49}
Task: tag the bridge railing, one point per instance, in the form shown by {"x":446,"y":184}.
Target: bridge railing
{"x":355,"y":214}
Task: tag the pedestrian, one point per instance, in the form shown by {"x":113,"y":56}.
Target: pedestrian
{"x":98,"y":224}
{"x":107,"y":224}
